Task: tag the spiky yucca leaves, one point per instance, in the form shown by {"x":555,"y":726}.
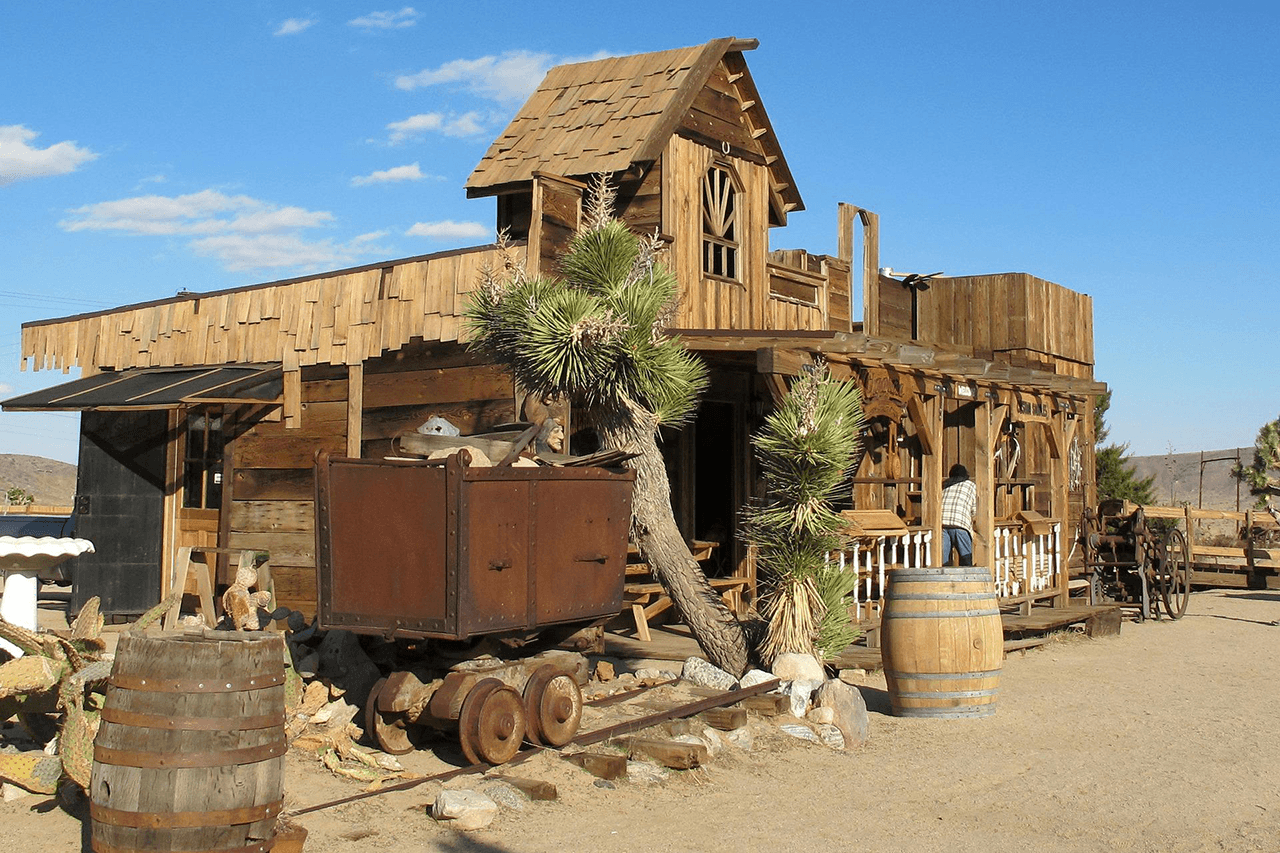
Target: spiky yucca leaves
{"x":595,"y":334}
{"x":805,"y":450}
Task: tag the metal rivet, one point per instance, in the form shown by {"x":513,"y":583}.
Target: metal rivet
{"x":201,"y":686}
{"x":228,"y":685}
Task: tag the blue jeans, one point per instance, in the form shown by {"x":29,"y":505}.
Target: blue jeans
{"x":963,"y":542}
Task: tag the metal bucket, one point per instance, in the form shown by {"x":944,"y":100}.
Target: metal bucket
{"x":942,"y":642}
{"x":190,"y":752}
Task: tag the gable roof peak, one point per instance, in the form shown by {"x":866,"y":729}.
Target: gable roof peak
{"x":606,"y":115}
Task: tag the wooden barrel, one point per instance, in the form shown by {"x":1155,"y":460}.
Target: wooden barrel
{"x":190,"y":752}
{"x":942,"y":642}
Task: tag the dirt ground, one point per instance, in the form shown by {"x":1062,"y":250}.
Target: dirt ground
{"x":1164,"y":738}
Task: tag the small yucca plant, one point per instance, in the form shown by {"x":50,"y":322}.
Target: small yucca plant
{"x":805,"y":450}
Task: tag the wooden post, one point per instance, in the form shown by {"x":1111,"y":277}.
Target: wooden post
{"x":1059,"y":495}
{"x":984,"y":479}
{"x":931,"y":476}
{"x":355,"y":408}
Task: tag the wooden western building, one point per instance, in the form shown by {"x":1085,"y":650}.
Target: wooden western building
{"x":202,"y":413}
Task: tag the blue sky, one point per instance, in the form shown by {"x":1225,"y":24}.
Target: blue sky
{"x":1127,"y":150}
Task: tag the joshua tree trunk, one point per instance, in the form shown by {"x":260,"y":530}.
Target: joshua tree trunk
{"x":715,"y":628}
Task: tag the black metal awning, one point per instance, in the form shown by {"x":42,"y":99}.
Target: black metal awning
{"x":157,"y":388}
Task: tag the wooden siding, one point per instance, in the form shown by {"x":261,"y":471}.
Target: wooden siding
{"x":337,"y":318}
{"x":1014,"y":318}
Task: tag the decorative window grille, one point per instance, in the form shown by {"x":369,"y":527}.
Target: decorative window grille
{"x":720,"y":223}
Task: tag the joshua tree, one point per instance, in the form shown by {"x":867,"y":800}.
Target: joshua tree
{"x":805,"y":449}
{"x":1262,"y":476}
{"x":597,"y":335}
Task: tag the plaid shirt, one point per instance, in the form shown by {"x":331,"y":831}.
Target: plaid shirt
{"x":960,"y":505}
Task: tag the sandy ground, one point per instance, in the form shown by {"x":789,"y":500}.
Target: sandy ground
{"x":1164,"y":738}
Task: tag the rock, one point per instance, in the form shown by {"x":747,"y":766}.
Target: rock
{"x":821,"y":716}
{"x":831,"y":736}
{"x":849,"y":709}
{"x":10,"y":792}
{"x":853,"y":676}
{"x":604,"y":671}
{"x":308,"y":664}
{"x":742,"y":738}
{"x":344,"y":663}
{"x":700,"y":672}
{"x":798,"y":667}
{"x":650,"y":674}
{"x":646,"y":772}
{"x":605,"y":783}
{"x":754,"y":677}
{"x":464,"y":809}
{"x":713,"y":743}
{"x":506,"y":796}
{"x":801,"y":731}
{"x":800,"y":691}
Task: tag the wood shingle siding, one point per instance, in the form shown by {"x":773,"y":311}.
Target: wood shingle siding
{"x":337,"y":318}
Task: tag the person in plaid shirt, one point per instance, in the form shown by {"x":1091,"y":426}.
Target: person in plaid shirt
{"x":959,"y":506}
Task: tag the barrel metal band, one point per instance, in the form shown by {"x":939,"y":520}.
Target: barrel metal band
{"x":941,"y":596}
{"x":190,"y":724}
{"x":942,"y":614}
{"x":937,"y":575}
{"x":197,"y":685}
{"x":157,"y":760}
{"x":949,"y":694}
{"x":183,"y":820}
{"x":257,"y":847}
{"x":959,"y":711}
{"x":945,"y":676}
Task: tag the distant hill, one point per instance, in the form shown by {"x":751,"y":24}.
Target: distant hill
{"x":50,"y":481}
{"x":1178,"y":478}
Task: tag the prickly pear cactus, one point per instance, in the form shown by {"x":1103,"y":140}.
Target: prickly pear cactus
{"x":66,"y":671}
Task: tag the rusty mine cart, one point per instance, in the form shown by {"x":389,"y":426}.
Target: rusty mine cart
{"x":1132,"y":562}
{"x":438,"y":555}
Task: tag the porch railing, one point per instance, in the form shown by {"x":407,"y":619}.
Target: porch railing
{"x":871,"y":556}
{"x":1025,"y":562}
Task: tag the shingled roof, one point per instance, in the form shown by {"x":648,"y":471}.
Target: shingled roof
{"x":606,"y":115}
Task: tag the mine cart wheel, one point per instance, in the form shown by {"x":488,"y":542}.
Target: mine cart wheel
{"x":1177,"y":574}
{"x":552,"y":706}
{"x":491,"y":726}
{"x":389,"y":728}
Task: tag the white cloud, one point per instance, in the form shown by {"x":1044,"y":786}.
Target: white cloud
{"x":240,"y":231}
{"x":5,"y":389}
{"x":406,"y":17}
{"x":414,"y":126}
{"x":447,"y":229}
{"x":293,"y":26}
{"x":257,"y":251}
{"x":387,"y":176}
{"x":508,"y":78}
{"x":19,"y":161}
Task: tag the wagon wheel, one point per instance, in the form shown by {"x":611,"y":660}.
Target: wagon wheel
{"x":492,"y":723}
{"x":389,"y":728}
{"x":1177,"y":574}
{"x":552,"y":706}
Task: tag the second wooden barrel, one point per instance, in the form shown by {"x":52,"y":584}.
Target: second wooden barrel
{"x":942,"y":642}
{"x":190,"y":752}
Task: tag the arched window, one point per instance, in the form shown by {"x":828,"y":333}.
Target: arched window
{"x":720,"y":223}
